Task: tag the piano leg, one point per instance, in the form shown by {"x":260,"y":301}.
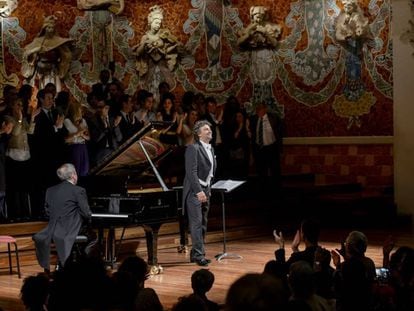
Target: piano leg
{"x":106,"y":242}
{"x":151,"y":234}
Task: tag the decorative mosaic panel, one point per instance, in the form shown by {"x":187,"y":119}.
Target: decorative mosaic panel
{"x":307,"y":74}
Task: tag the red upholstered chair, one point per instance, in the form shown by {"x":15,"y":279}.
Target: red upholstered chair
{"x":11,"y":240}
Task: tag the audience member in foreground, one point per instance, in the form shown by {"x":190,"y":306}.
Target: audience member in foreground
{"x":202,"y":281}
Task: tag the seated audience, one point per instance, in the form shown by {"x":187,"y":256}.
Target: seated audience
{"x":354,"y":278}
{"x":147,"y":300}
{"x":309,"y":234}
{"x":256,"y":292}
{"x":201,"y":281}
{"x":35,"y":291}
{"x":129,"y":282}
{"x":302,"y":286}
{"x":190,"y":303}
{"x":401,"y":276}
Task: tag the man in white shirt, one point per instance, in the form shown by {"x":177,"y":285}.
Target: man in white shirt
{"x":267,"y":144}
{"x":200,"y":166}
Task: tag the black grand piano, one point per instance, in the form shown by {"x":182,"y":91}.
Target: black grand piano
{"x":126,"y":189}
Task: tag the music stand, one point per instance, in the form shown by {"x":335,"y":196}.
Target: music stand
{"x":226,"y":186}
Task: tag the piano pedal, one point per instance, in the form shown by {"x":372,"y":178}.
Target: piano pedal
{"x":182,"y":249}
{"x":154,"y":270}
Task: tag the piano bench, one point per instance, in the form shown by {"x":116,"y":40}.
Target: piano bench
{"x":77,"y":251}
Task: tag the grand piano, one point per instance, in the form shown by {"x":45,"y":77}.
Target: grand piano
{"x":126,"y":189}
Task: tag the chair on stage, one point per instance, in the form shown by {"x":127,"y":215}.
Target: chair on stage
{"x":11,"y":240}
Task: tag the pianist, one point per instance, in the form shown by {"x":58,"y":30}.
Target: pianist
{"x":200,"y":165}
{"x":67,"y":207}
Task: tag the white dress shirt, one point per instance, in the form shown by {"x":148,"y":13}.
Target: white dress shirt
{"x":207,"y":148}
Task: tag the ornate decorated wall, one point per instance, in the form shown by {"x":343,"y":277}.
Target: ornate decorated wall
{"x":309,"y":74}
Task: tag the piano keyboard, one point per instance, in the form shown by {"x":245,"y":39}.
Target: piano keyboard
{"x":103,"y":215}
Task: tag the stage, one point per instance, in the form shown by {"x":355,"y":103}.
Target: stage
{"x":256,"y":249}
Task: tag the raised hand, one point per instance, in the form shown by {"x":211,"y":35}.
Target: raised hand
{"x":279,"y":238}
{"x":336,"y":258}
{"x":296,"y":241}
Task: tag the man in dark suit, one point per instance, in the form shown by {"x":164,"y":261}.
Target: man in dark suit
{"x":67,"y":207}
{"x":47,"y":148}
{"x":200,"y":166}
{"x":267,"y":142}
{"x":7,"y":124}
{"x":214,"y":116}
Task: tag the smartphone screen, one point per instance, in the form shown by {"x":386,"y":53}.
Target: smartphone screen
{"x":383,"y":274}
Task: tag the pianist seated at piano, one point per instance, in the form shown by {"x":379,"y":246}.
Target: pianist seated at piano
{"x":66,"y":205}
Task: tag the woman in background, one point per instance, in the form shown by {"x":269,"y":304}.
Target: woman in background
{"x":76,"y":138}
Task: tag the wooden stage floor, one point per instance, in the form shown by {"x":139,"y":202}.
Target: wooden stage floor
{"x":175,"y":281}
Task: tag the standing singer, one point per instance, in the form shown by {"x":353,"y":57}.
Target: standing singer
{"x":200,"y":165}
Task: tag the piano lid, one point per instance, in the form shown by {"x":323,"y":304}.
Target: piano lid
{"x":130,"y":157}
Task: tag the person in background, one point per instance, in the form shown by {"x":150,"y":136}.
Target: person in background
{"x":47,"y":148}
{"x":145,"y":112}
{"x":129,"y":124}
{"x":105,"y":133}
{"x":186,"y":134}
{"x":19,"y":171}
{"x":214,"y":115}
{"x":77,"y":138}
{"x":7,"y":124}
{"x":267,"y":143}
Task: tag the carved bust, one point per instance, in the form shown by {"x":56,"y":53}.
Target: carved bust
{"x":156,"y":44}
{"x":351,"y":23}
{"x":48,"y":53}
{"x":7,"y":7}
{"x":260,"y":33}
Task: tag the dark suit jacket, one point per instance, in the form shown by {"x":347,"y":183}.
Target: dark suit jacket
{"x":67,"y":206}
{"x":128,"y":129}
{"x":277,"y":127}
{"x":3,"y":147}
{"x":100,"y":135}
{"x":197,"y":166}
{"x":48,"y":143}
{"x":308,"y":255}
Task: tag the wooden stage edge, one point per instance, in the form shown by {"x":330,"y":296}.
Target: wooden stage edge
{"x":256,"y":249}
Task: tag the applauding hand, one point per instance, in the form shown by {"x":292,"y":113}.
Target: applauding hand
{"x":279,"y":238}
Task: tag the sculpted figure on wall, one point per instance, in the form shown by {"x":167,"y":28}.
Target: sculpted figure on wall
{"x":351,"y":23}
{"x":114,"y":6}
{"x":47,"y":57}
{"x":351,"y":31}
{"x":7,"y":7}
{"x":260,"y":38}
{"x":157,"y":51}
{"x":260,"y":33}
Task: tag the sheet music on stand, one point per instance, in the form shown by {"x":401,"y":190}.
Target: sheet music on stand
{"x":226,"y":186}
